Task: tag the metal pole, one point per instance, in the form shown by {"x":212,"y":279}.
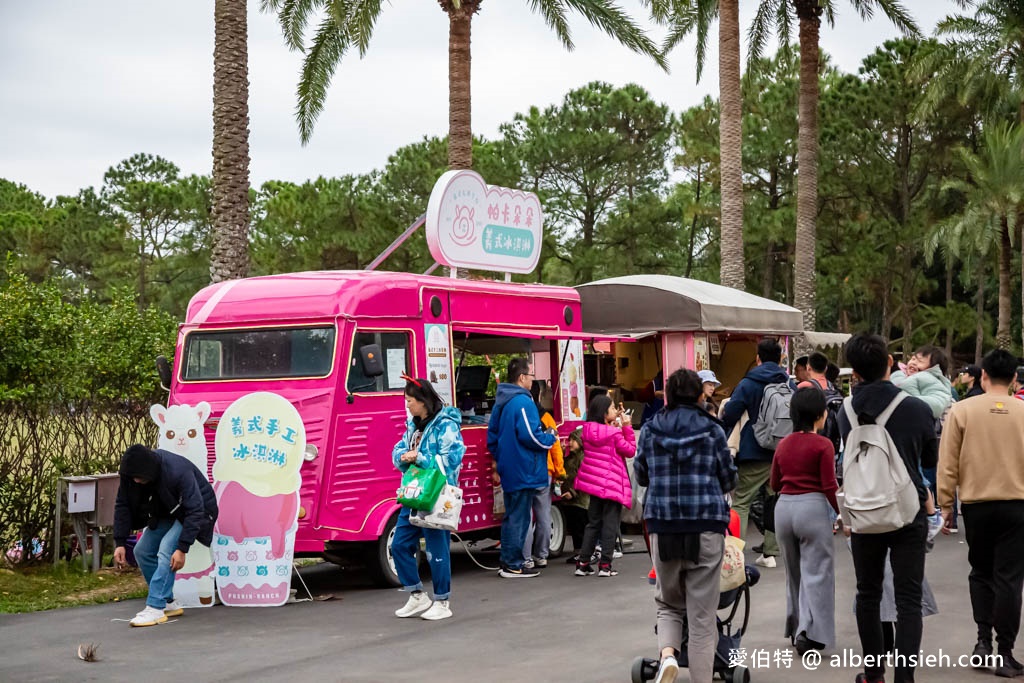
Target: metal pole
{"x":432,"y":268}
{"x":397,"y":243}
{"x":97,"y":550}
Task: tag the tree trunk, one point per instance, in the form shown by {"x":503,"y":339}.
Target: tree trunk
{"x":1005,"y":256}
{"x":230,"y":257}
{"x":730,"y":122}
{"x":768,"y":275}
{"x":807,"y":161}
{"x":460,"y":131}
{"x":950,"y":331}
{"x":979,"y":339}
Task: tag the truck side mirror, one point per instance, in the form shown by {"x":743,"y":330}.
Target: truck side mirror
{"x":370,"y":357}
{"x":163,"y":369}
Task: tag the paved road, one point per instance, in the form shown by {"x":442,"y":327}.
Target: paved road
{"x":553,"y":628}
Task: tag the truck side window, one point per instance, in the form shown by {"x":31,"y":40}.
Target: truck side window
{"x":395,"y":348}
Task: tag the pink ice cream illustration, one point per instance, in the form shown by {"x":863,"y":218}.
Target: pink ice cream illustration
{"x":245,"y":515}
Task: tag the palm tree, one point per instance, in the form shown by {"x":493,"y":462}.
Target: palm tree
{"x":782,"y":14}
{"x":994,"y":198}
{"x":684,"y":17}
{"x":349,"y":24}
{"x":230,"y":255}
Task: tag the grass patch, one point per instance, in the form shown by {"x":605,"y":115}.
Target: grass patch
{"x":42,"y":588}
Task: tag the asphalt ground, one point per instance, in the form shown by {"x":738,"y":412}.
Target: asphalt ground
{"x":556,"y":627}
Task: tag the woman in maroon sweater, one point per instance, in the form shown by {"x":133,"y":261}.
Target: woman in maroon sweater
{"x":803,"y":472}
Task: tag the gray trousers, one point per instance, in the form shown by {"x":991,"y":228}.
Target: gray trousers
{"x":538,"y":538}
{"x":803,"y":527}
{"x":690,"y":590}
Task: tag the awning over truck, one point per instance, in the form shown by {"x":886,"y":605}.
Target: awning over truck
{"x":642,"y":303}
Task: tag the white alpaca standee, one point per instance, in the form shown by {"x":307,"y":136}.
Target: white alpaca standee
{"x":181,"y":432}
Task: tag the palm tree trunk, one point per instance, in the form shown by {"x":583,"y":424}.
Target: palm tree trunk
{"x":807,"y":161}
{"x":230,"y":256}
{"x":730,"y":123}
{"x":460,"y":131}
{"x":1005,"y":256}
{"x":979,"y":339}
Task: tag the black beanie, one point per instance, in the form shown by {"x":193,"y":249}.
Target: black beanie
{"x":139,"y":461}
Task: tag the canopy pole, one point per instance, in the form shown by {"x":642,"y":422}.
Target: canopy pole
{"x":398,"y":242}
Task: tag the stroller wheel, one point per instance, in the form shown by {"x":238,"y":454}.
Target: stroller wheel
{"x":643,"y":670}
{"x":740,"y":675}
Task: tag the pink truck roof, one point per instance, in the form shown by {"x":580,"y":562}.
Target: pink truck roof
{"x":327,"y":294}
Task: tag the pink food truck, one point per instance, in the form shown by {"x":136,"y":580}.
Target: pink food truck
{"x":336,"y":344}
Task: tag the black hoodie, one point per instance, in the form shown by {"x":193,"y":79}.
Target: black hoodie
{"x":911,"y":426}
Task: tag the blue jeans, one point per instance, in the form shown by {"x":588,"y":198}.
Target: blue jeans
{"x":514,"y":526}
{"x":538,"y":537}
{"x":153,"y":553}
{"x":405,"y":547}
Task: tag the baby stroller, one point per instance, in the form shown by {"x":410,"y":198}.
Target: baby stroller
{"x":729,"y":635}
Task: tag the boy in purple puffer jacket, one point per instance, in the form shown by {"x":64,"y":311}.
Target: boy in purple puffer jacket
{"x":608,"y":440}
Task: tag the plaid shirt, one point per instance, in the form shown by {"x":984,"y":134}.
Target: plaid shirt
{"x":683,"y":458}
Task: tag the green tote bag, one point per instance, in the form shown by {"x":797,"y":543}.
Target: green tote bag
{"x":421,"y":488}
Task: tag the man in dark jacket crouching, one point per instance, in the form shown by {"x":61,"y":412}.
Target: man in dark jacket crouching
{"x":172,"y":499}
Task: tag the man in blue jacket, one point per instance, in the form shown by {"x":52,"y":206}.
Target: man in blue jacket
{"x":519,"y":445}
{"x":168,"y":496}
{"x":754,"y":462}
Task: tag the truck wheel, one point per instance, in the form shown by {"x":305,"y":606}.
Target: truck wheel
{"x":379,"y":561}
{"x":557,"y":532}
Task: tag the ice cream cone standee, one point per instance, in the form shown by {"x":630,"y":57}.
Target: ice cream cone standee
{"x":573,"y":388}
{"x":259,"y":445}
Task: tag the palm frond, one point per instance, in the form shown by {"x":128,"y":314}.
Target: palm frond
{"x":607,"y":16}
{"x":554,"y":17}
{"x":322,"y":59}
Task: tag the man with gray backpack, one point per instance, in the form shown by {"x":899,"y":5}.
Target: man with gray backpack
{"x":889,"y":437}
{"x":764,"y":395}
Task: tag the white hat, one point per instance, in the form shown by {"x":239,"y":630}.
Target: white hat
{"x":709,"y":376}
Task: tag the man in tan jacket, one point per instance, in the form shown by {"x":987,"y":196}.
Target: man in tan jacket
{"x":982,"y":454}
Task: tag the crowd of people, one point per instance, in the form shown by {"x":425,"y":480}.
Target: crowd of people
{"x":891,"y":467}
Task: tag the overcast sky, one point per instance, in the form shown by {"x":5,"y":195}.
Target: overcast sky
{"x":87,"y":83}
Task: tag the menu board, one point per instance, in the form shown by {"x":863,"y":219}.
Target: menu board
{"x":439,"y":361}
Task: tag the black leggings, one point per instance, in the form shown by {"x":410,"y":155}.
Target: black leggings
{"x":602,"y":519}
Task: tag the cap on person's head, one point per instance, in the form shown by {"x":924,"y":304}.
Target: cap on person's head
{"x":709,"y":376}
{"x":972,"y":370}
{"x":141,"y":463}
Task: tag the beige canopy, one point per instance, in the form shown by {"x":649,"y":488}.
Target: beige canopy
{"x":823,"y":340}
{"x":643,"y":303}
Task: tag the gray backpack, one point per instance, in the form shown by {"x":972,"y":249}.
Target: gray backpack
{"x":774,"y":422}
{"x":879,"y":495}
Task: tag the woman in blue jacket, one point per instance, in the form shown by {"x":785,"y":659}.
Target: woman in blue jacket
{"x":432,"y":434}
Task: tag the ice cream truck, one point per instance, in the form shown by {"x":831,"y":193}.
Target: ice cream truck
{"x":336,"y":344}
{"x":678,"y":322}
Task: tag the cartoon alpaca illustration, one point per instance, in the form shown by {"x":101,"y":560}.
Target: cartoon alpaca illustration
{"x":464,"y":226}
{"x":181,"y":432}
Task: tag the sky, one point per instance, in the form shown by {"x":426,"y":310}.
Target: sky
{"x":87,"y":83}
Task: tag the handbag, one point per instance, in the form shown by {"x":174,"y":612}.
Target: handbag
{"x":768,"y":515}
{"x":734,"y":572}
{"x":499,"y":501}
{"x":421,"y":487}
{"x":446,"y":511}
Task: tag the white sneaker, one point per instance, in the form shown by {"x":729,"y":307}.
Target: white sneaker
{"x":616,"y":554}
{"x":528,"y":564}
{"x":668,"y":671}
{"x":173,"y":609}
{"x":418,"y":602}
{"x":540,"y":563}
{"x":439,"y":610}
{"x":151,"y":616}
{"x":766,"y":561}
{"x":934,"y":525}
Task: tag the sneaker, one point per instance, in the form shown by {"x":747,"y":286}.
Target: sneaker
{"x":439,"y":610}
{"x":584,"y":569}
{"x":983,"y":649}
{"x":417,"y":604}
{"x":863,"y":678}
{"x":151,"y":616}
{"x":596,"y":557}
{"x":954,"y":529}
{"x":1009,"y":667}
{"x":524,"y":573}
{"x":758,"y":549}
{"x":934,"y":525}
{"x":528,"y":564}
{"x":572,"y":560}
{"x":540,"y":563}
{"x":766,"y":561}
{"x":616,"y":554}
{"x":173,"y":609}
{"x":668,"y":671}
{"x":606,"y":570}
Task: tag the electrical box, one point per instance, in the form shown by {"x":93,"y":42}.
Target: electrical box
{"x":106,"y":495}
{"x":81,"y":494}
